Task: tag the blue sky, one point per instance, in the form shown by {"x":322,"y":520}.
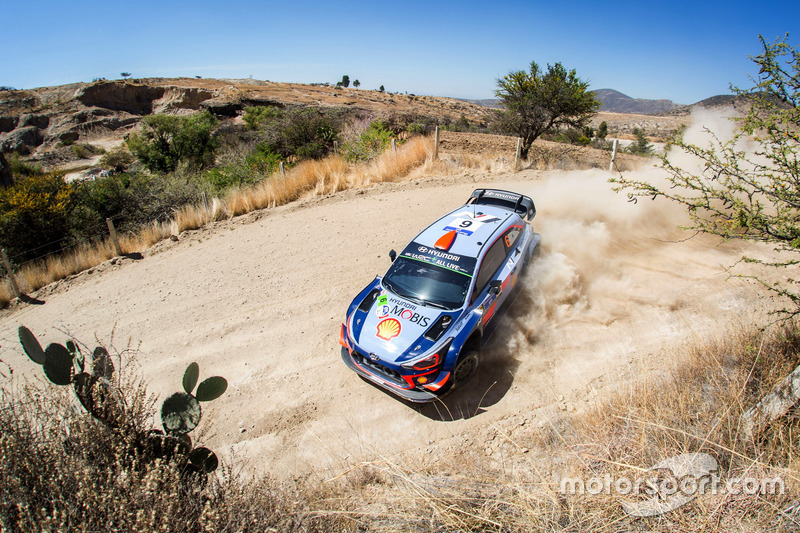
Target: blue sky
{"x":680,"y":50}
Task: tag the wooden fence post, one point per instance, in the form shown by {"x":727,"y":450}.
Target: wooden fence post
{"x":517,"y":154}
{"x":335,"y":147}
{"x":113,"y":232}
{"x":613,"y":155}
{"x":394,"y":145}
{"x":283,"y":170}
{"x":7,"y":265}
{"x":436,"y":144}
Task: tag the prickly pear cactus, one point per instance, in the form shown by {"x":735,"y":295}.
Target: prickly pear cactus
{"x":180,"y":412}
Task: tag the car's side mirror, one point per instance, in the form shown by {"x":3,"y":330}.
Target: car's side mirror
{"x":392,"y":255}
{"x":495,"y":286}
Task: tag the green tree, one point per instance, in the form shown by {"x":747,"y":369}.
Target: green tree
{"x":169,"y":140}
{"x":538,"y":102}
{"x":602,"y":131}
{"x":739,"y":194}
{"x":345,"y":81}
{"x":356,"y":84}
{"x":381,"y":88}
{"x":641,"y":146}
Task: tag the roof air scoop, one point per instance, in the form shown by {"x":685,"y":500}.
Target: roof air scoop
{"x":445,"y":241}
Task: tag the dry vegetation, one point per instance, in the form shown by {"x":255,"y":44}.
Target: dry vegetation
{"x":48,"y":463}
{"x":54,"y":478}
{"x":320,"y":177}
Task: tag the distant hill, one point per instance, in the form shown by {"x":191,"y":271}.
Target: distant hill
{"x":616,"y":102}
{"x":612,"y":102}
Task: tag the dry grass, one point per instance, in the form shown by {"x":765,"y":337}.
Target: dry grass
{"x":692,"y":406}
{"x":318,"y":177}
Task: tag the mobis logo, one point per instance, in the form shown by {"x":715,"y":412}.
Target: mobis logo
{"x":411,"y":316}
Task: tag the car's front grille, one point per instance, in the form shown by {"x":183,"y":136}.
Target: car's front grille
{"x":382,"y":371}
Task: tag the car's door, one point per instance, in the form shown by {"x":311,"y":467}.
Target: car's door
{"x":498,"y":272}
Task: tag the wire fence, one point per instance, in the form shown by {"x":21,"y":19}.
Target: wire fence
{"x":11,"y":266}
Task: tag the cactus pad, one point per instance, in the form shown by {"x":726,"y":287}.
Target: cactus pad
{"x":180,"y":413}
{"x":204,"y":459}
{"x":211,"y":388}
{"x":31,"y":346}
{"x":58,"y":364}
{"x":190,"y":377}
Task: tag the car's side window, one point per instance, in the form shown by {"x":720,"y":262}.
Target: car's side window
{"x":511,"y":236}
{"x":493,"y":260}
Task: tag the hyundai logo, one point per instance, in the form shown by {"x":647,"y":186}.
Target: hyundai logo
{"x":373,"y":357}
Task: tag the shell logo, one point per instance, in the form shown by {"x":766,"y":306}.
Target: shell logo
{"x":388,"y":329}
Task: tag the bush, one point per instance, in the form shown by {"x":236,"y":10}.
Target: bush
{"x":167,"y":141}
{"x":35,"y":215}
{"x":132,"y":200}
{"x":84,"y":150}
{"x":370,"y":143}
{"x":118,"y":159}
{"x":21,"y":168}
{"x":301,"y":133}
{"x":259,"y":117}
{"x":254,"y":167}
{"x":641,"y":146}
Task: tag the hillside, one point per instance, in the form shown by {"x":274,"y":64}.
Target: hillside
{"x":613,"y":101}
{"x":616,"y":102}
{"x":41,"y":121}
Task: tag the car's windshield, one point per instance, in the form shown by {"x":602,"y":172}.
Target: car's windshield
{"x":430,"y":277}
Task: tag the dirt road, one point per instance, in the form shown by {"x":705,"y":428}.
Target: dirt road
{"x":259,"y":300}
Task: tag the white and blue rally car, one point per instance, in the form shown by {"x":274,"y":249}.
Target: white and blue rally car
{"x":418,"y":330}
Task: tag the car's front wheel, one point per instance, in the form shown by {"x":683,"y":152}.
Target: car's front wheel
{"x":465,"y":367}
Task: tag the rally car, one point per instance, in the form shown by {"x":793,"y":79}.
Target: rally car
{"x":418,"y":330}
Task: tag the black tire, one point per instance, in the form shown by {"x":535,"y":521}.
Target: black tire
{"x":466,"y":367}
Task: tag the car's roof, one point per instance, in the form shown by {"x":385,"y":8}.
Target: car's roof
{"x":474,"y":225}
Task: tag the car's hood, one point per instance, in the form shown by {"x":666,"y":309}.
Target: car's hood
{"x":393,"y":328}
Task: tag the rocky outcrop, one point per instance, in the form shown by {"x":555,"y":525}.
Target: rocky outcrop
{"x":21,"y":140}
{"x":38,"y":121}
{"x":176,"y":98}
{"x":120,"y":96}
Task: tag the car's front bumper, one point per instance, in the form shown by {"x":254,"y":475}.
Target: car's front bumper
{"x":412,"y":395}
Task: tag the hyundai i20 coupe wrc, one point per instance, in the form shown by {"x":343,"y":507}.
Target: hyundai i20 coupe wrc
{"x":418,"y":330}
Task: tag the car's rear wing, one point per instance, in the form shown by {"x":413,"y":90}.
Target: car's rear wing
{"x":518,"y":203}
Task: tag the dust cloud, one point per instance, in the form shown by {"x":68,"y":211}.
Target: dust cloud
{"x":619,"y":282}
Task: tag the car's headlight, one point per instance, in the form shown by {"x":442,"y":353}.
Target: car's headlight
{"x":432,"y":361}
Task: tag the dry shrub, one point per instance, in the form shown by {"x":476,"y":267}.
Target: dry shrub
{"x":64,"y":471}
{"x":6,"y":293}
{"x":391,"y":166}
{"x":696,"y":407}
{"x":693,"y":406}
{"x":325,"y":176}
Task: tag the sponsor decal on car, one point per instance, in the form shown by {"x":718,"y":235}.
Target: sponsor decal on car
{"x":388,"y":329}
{"x":456,"y":263}
{"x":467,"y":222}
{"x":382,"y":309}
{"x":411,"y":316}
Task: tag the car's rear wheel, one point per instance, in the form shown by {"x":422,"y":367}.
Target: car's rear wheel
{"x":465,"y":367}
